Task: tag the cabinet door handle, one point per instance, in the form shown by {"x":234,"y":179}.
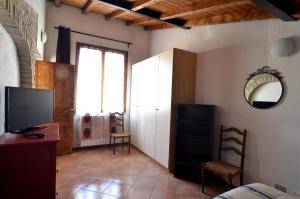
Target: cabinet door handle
{"x":157,"y":109}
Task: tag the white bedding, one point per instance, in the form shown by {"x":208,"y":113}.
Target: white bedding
{"x":254,"y":191}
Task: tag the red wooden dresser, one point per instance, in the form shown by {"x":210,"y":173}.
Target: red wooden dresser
{"x":28,"y":165}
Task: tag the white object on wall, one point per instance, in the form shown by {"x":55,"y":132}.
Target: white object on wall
{"x":43,"y":37}
{"x":283,"y":47}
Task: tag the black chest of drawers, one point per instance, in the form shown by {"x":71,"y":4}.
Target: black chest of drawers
{"x":194,"y":139}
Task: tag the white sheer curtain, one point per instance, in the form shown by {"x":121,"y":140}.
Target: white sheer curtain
{"x":94,"y":98}
{"x":88,"y":95}
{"x":113,"y":88}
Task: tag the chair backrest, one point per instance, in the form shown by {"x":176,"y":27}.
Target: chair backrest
{"x":116,"y":120}
{"x":235,"y":140}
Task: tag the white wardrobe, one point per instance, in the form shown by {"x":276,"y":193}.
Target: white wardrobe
{"x":157,"y":85}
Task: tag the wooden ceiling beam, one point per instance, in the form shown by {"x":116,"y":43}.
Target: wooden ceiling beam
{"x":114,"y":14}
{"x":157,"y":27}
{"x":140,"y":4}
{"x":145,"y":12}
{"x":203,"y":7}
{"x":230,"y":18}
{"x":57,"y":3}
{"x":88,"y":6}
{"x":279,"y":8}
{"x":137,"y":21}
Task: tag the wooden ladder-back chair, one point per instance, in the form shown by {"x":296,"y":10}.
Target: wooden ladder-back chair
{"x":117,"y":120}
{"x":226,"y":169}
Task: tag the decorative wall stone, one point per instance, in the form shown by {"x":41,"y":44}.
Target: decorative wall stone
{"x":20,"y":21}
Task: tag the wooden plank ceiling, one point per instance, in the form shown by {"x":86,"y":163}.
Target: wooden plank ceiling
{"x":159,"y":14}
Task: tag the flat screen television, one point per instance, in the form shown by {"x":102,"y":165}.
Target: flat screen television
{"x":26,"y":108}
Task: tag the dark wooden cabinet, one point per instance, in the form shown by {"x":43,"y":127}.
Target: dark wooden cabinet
{"x":28,"y":165}
{"x":194,"y":139}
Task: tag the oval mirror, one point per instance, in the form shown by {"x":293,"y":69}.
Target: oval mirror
{"x":264,"y":88}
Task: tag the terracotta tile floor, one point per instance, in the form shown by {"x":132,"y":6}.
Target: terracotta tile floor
{"x":98,"y":174}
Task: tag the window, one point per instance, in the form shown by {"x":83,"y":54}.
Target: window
{"x":101,"y":80}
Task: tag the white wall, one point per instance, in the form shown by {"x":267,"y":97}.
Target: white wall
{"x":9,"y":70}
{"x":94,"y":24}
{"x":40,"y":7}
{"x":227,"y":54}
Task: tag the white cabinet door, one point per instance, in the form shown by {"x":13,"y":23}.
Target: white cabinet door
{"x":164,"y":107}
{"x":140,"y":137}
{"x":149,"y":104}
{"x":139,"y":131}
{"x":151,"y":92}
{"x":134,"y":103}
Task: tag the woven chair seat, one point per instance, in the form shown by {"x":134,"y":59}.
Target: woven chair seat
{"x":120,"y":135}
{"x":222,"y":168}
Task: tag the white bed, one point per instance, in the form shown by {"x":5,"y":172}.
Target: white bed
{"x":254,"y":191}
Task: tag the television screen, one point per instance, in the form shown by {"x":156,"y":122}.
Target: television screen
{"x":27,"y":107}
